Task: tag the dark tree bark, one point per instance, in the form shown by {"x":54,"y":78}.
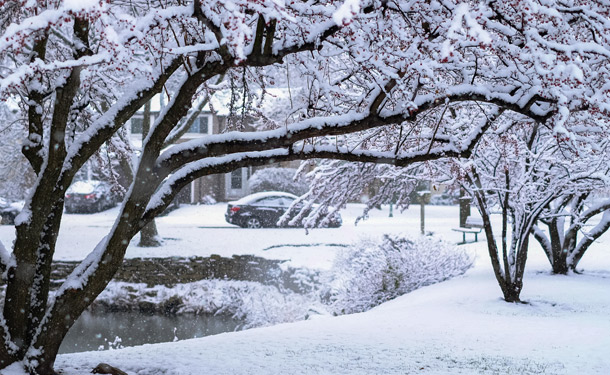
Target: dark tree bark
{"x":149,"y":235}
{"x":30,"y":323}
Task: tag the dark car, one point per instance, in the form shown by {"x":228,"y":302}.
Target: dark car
{"x":265,"y":209}
{"x":9,"y":210}
{"x":90,"y":196}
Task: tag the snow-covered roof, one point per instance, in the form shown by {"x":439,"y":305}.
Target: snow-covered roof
{"x":256,"y":196}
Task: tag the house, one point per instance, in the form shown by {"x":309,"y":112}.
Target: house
{"x":223,"y":187}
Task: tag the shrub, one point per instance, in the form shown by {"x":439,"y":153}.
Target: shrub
{"x":277,"y":179}
{"x":372,"y":272}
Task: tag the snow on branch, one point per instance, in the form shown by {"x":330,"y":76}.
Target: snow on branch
{"x":107,"y":124}
{"x":349,"y":123}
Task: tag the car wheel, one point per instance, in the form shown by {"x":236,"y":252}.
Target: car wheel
{"x":253,"y":222}
{"x":96,"y":207}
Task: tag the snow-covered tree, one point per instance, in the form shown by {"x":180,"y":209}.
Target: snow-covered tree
{"x":521,"y":173}
{"x":519,"y":169}
{"x":564,"y":219}
{"x":397,"y":75}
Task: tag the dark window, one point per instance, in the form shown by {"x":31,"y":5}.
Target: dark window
{"x":136,"y":125}
{"x":200,"y":125}
{"x":236,"y":179}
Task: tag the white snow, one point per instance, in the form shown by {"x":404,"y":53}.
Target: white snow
{"x":344,"y":14}
{"x":256,"y":196}
{"x":77,"y":5}
{"x":460,"y":326}
{"x":83,"y":187}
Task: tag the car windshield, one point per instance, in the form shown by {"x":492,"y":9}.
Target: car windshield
{"x":83,"y":187}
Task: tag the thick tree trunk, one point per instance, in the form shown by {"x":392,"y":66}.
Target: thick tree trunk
{"x":90,"y":278}
{"x":561,"y":268}
{"x":149,"y":236}
{"x":86,"y":282}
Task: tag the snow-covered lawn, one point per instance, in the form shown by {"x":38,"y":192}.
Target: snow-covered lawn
{"x":460,"y":326}
{"x":202,"y":231}
{"x":456,"y":327}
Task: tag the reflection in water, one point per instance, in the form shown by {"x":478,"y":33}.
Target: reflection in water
{"x":115,"y":330}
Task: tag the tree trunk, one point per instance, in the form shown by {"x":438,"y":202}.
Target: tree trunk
{"x":511,"y":293}
{"x":149,"y":236}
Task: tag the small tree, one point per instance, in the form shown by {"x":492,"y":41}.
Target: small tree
{"x":520,"y":172}
{"x":518,"y":168}
{"x":560,"y":240}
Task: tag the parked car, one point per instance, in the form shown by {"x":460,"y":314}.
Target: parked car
{"x":89,"y":196}
{"x":9,"y":210}
{"x":265,"y":209}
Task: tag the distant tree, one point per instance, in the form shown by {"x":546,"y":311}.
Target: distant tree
{"x":517,"y":174}
{"x":400,"y":76}
{"x":520,"y":169}
{"x":565,"y":218}
{"x":521,"y":172}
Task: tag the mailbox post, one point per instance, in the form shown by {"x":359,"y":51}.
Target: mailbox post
{"x":424,"y":197}
{"x":464,"y":207}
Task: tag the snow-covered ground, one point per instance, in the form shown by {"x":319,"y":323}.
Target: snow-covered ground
{"x":460,"y":326}
{"x":202,"y":231}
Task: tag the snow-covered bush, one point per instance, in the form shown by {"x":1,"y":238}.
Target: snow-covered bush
{"x":252,"y":303}
{"x":277,"y":179}
{"x":371,"y":272}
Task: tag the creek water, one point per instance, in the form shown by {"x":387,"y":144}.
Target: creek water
{"x":120,"y":329}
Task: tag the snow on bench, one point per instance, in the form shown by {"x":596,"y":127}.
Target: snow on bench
{"x":474,"y":222}
{"x":473,"y":225}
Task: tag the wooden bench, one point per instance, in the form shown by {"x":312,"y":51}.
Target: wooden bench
{"x":472,"y":225}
